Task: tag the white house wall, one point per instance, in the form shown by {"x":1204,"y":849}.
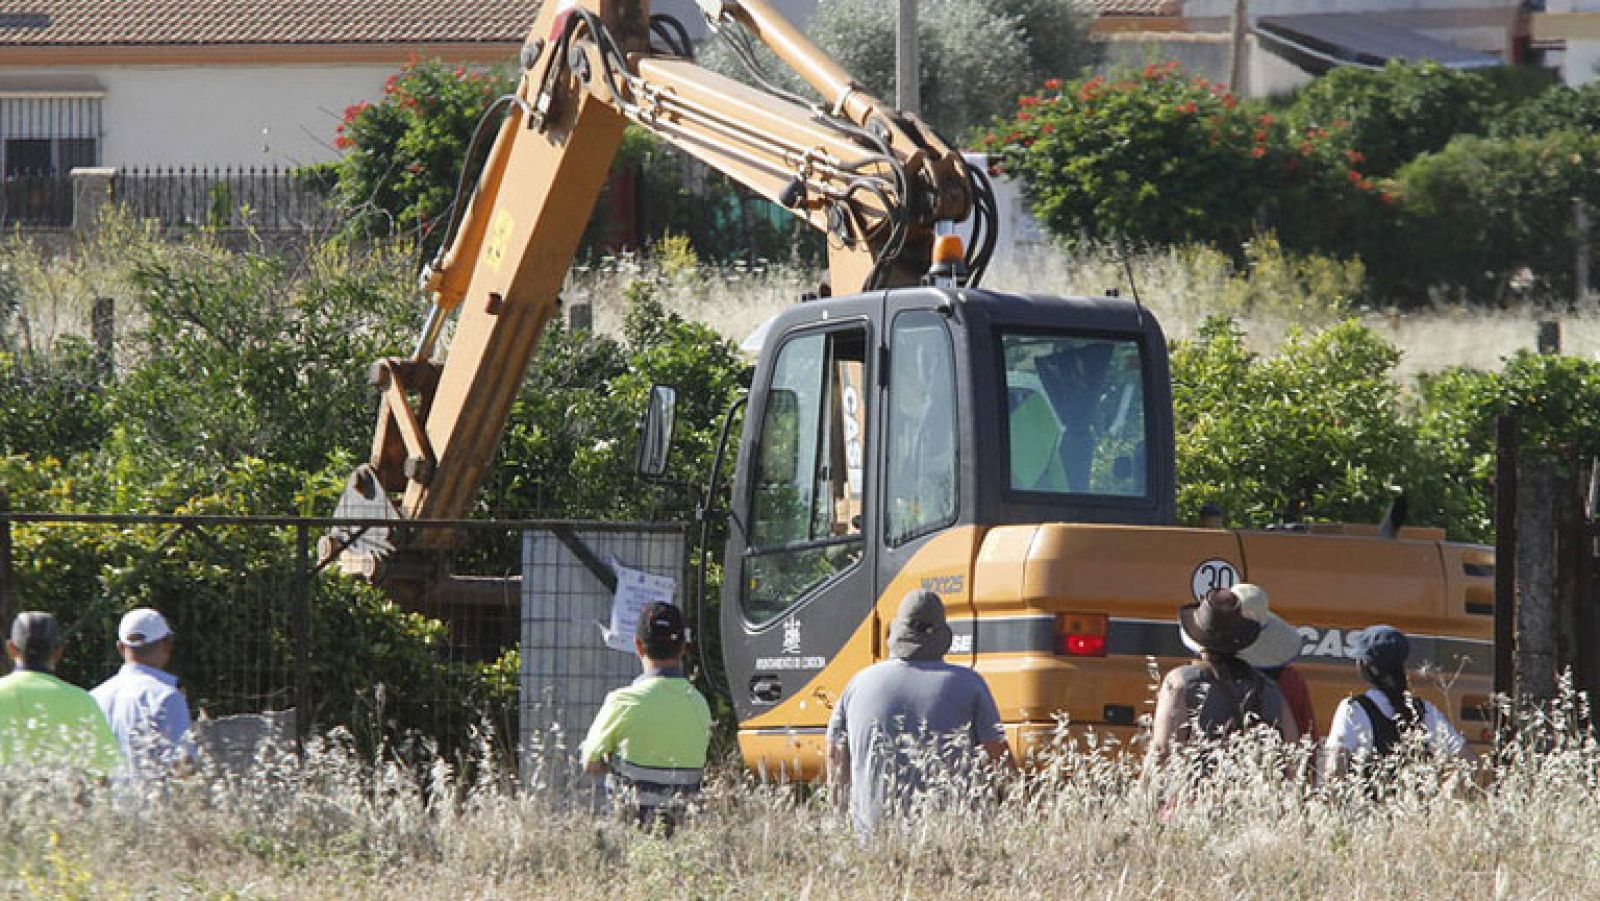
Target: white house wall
{"x":1580,"y":61}
{"x":281,"y":115}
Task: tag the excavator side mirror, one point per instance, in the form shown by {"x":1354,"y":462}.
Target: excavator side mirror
{"x":655,"y":436}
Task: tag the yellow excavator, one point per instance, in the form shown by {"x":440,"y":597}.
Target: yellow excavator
{"x":1011,"y":452}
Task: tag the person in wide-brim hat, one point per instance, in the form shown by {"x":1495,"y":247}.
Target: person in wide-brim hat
{"x":1278,"y":643}
{"x":1220,"y":693}
{"x":1272,"y":652}
{"x":1218,"y":624}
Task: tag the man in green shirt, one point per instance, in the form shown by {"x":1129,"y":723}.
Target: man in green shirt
{"x":650,"y":736}
{"x":45,"y":722}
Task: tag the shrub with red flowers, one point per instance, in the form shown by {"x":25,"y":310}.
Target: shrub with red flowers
{"x":403,"y":153}
{"x":1155,"y":156}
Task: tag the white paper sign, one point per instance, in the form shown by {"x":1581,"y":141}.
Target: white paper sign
{"x":634,"y":590}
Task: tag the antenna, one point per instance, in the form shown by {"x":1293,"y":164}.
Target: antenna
{"x":1133,"y":286}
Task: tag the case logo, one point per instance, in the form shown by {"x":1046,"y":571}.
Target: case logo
{"x":791,"y":636}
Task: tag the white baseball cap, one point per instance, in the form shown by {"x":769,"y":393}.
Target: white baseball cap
{"x":142,"y":626}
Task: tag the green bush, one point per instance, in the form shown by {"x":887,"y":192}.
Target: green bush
{"x":250,"y":355}
{"x":403,"y":155}
{"x":1556,"y":400}
{"x":1404,"y":109}
{"x":1317,"y":432}
{"x":52,"y":402}
{"x":569,"y":446}
{"x":1157,"y":157}
{"x":1488,"y":213}
{"x":1558,"y":108}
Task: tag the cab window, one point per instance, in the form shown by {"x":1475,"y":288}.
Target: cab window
{"x":1075,"y":421}
{"x":920,"y":475}
{"x":805,"y":523}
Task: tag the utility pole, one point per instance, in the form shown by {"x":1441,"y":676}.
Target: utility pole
{"x":1236,"y":49}
{"x":907,"y":70}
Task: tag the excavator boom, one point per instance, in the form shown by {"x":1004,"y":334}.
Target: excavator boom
{"x":875,"y":180}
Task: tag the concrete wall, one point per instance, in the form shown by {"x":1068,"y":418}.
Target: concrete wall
{"x":1580,"y":61}
{"x":226,"y":115}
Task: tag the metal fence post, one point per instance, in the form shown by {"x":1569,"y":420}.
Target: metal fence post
{"x":6,"y":590}
{"x":300,"y":627}
{"x":1537,"y":582}
{"x":1505,"y":562}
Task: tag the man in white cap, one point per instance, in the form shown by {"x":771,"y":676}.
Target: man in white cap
{"x":914,"y":712}
{"x":147,"y":713}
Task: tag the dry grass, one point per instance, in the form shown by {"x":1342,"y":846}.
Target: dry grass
{"x":1086,"y":825}
{"x":1182,"y":285}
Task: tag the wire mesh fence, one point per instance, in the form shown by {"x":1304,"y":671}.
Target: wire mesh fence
{"x":570,"y":578}
{"x":268,"y":628}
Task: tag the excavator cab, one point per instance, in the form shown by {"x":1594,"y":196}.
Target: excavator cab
{"x":886,"y":431}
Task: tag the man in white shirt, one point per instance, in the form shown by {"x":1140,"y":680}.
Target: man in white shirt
{"x":148,"y":715}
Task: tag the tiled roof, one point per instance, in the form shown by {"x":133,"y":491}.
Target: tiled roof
{"x":43,"y":23}
{"x":1136,"y":7}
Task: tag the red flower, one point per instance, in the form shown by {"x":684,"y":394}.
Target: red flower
{"x":1387,"y":197}
{"x":343,"y":143}
{"x":1258,"y":151}
{"x":1187,"y":108}
{"x":1264,"y":119}
{"x":1306,"y":148}
{"x":1052,"y":84}
{"x":1229,"y":101}
{"x":1027,"y":100}
{"x":1355,"y":177}
{"x":1355,"y":156}
{"x":1047,"y":129}
{"x":1024,"y":117}
{"x":389,"y":85}
{"x":1365,"y":184}
{"x":1260,"y":136}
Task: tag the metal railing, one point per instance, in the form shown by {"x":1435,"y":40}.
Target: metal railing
{"x":269,"y":199}
{"x":36,"y":200}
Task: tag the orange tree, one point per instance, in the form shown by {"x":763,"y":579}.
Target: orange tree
{"x":1154,"y":156}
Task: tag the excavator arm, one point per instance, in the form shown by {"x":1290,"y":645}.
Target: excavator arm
{"x":874,"y":179}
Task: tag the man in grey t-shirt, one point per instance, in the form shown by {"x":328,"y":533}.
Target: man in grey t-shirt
{"x":912,"y":720}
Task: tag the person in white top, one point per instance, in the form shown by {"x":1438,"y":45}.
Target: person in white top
{"x":1369,"y":724}
{"x":148,"y":715}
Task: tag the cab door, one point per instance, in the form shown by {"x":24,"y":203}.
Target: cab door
{"x":799,"y":579}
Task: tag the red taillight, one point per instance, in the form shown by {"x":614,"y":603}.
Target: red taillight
{"x":1081,"y":634}
{"x":1086,"y":645}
